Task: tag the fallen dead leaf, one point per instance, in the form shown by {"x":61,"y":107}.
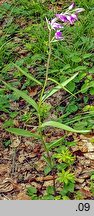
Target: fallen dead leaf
{"x":86,"y":192}
{"x":86,"y":143}
{"x":36,"y":185}
{"x":85,"y":175}
{"x":33,"y":91}
{"x":83,"y":148}
{"x":22,"y":196}
{"x":39,"y":165}
{"x":89,"y":156}
{"x":31,"y":155}
{"x":48,"y":183}
{"x":37,"y":148}
{"x":6,"y":186}
{"x":38,"y":179}
{"x":16,"y":122}
{"x":21,"y":158}
{"x":46,"y":178}
{"x":78,"y":170}
{"x":15,"y":142}
{"x":90,"y":147}
{"x":80,"y":180}
{"x":2,"y":2}
{"x":4,"y":168}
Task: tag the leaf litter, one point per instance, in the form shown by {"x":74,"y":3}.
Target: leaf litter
{"x":27,"y":167}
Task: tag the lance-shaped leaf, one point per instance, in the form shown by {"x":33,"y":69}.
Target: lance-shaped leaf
{"x":54,"y":144}
{"x":22,"y":94}
{"x":58,"y":87}
{"x":62,"y":126}
{"x":62,"y":87}
{"x":22,"y":132}
{"x":28,"y":75}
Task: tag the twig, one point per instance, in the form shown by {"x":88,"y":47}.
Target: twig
{"x":13,"y":162}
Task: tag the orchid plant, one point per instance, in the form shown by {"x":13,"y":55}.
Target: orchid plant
{"x":57,"y":24}
{"x":70,"y":16}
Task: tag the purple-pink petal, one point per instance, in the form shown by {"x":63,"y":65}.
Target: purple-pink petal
{"x":72,"y":18}
{"x":62,"y":17}
{"x":58,"y":35}
{"x":56,"y":26}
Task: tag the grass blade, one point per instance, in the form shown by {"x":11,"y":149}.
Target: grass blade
{"x":63,"y":127}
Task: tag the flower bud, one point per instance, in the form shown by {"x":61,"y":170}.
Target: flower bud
{"x":71,"y":6}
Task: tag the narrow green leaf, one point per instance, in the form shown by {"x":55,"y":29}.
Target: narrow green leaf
{"x":62,"y":86}
{"x":58,"y":87}
{"x":22,"y":132}
{"x":28,"y":75}
{"x":23,"y":95}
{"x":63,"y":127}
{"x":87,"y":55}
{"x":55,"y":143}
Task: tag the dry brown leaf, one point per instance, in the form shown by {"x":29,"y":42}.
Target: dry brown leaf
{"x":6,"y":186}
{"x":16,"y":122}
{"x":4,"y":168}
{"x":39,"y":165}
{"x":15,"y":142}
{"x":83,"y":148}
{"x":33,"y":91}
{"x":85,"y":175}
{"x":86,"y":192}
{"x":89,"y":155}
{"x":86,"y":142}
{"x":46,"y":178}
{"x":48,"y":183}
{"x":22,"y":196}
{"x":80,"y":180}
{"x":21,"y":158}
{"x":31,"y":155}
{"x":1,"y":2}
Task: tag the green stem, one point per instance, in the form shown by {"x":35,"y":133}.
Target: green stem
{"x":43,"y":142}
{"x":47,"y":69}
{"x":42,"y":92}
{"x":39,"y":114}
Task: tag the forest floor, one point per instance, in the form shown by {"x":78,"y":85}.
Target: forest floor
{"x":22,"y":165}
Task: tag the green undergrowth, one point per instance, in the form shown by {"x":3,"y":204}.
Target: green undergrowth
{"x":24,"y":41}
